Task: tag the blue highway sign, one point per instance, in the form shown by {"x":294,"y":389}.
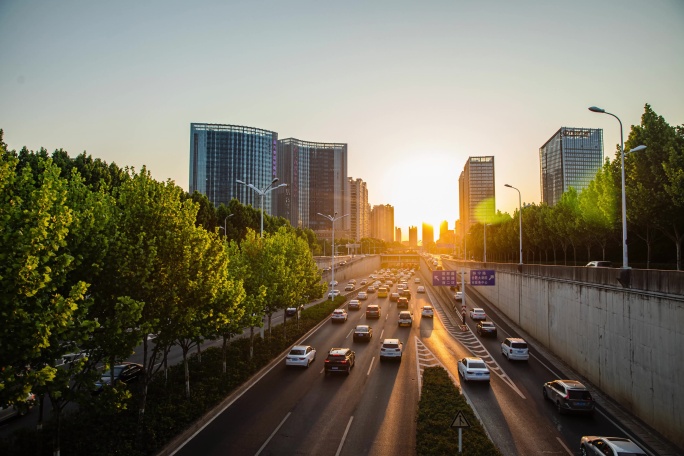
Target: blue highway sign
{"x":444,"y":278}
{"x":484,"y":277}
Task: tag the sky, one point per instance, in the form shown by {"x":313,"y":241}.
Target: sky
{"x":413,"y":88}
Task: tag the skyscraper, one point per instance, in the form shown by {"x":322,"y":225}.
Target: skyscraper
{"x":428,"y":235}
{"x":316,"y":174}
{"x":358,"y":208}
{"x":222,"y":154}
{"x":397,"y":235}
{"x":571,"y":158}
{"x":413,"y":237}
{"x":382,"y":222}
{"x":476,"y":192}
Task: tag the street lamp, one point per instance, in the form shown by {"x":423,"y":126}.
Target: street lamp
{"x":625,"y":261}
{"x":519,"y":216}
{"x":225,"y":225}
{"x":262,"y":193}
{"x":333,"y":219}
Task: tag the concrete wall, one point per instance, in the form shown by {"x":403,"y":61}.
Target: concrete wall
{"x":629,"y":342}
{"x":358,"y":267}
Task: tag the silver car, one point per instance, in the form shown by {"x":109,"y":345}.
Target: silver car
{"x":472,"y":368}
{"x":615,"y":446}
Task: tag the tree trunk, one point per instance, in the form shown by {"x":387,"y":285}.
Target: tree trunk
{"x":224,"y":350}
{"x":251,"y":342}
{"x":186,"y":368}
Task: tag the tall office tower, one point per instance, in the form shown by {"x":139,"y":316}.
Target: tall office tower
{"x":397,"y":235}
{"x":358,"y":208}
{"x":413,"y":237}
{"x":476,"y":192}
{"x":222,"y":154}
{"x":428,"y":235}
{"x":443,"y":230}
{"x":316,"y":174}
{"x":571,"y":158}
{"x":382,"y":222}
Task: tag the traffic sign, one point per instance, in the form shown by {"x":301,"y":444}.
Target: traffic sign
{"x":486,"y":277}
{"x":460,"y":421}
{"x":444,"y":278}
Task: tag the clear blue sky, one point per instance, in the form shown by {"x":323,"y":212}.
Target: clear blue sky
{"x":414,"y":88}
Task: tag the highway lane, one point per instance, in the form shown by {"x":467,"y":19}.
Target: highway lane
{"x":302,"y":411}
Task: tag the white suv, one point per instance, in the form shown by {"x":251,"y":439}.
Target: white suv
{"x":515,"y":348}
{"x":391,"y":348}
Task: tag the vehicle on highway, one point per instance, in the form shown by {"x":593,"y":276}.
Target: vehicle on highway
{"x":427,"y":311}
{"x":363,"y":332}
{"x":333,"y":283}
{"x":391,"y":349}
{"x":400,"y":287}
{"x":382,"y":292}
{"x":370,"y":289}
{"x":402,"y":302}
{"x":515,"y":348}
{"x":301,"y":355}
{"x":405,"y":318}
{"x":416,"y":280}
{"x":333,"y":293}
{"x":292,"y":311}
{"x":486,"y":328}
{"x":568,"y":396}
{"x":611,"y":446}
{"x":340,"y":360}
{"x":420,"y":289}
{"x":125,"y":373}
{"x":352,"y":281}
{"x":599,"y":264}
{"x":354,"y":304}
{"x":458,"y":296}
{"x":363,"y":282}
{"x":338,"y":316}
{"x":17,"y":409}
{"x":478,"y":314}
{"x":394,"y":297}
{"x":405,"y":293}
{"x":362,"y":296}
{"x":373,"y":311}
{"x":349,"y":287}
{"x":473,"y":368}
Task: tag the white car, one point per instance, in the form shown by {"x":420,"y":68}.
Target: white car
{"x":472,"y":368}
{"x":300,"y":355}
{"x":391,"y":348}
{"x":362,"y":296}
{"x":515,"y":348}
{"x":333,"y":293}
{"x":363,"y":282}
{"x":405,"y":318}
{"x":420,"y":289}
{"x":478,"y":314}
{"x":614,"y":446}
{"x":458,"y":296}
{"x":427,"y":312}
{"x":416,"y":280}
{"x":339,"y":315}
{"x":333,"y":283}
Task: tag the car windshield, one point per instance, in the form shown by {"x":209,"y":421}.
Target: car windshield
{"x":361,"y":329}
{"x":487,"y":325}
{"x":476,"y":365}
{"x":579,"y":394}
{"x":391,"y":345}
{"x":519,"y":345}
{"x":297,"y":352}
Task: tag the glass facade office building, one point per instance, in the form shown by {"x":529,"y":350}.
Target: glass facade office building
{"x":222,"y":154}
{"x":571,"y":158}
{"x":476,"y":193}
{"x":316,"y":174}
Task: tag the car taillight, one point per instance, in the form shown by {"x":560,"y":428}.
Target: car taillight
{"x":327,"y":360}
{"x":343,"y":362}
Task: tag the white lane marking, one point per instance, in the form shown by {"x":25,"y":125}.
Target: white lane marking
{"x":349,"y":333}
{"x":272,"y":434}
{"x":563,"y":445}
{"x":339,"y":449}
{"x":381,"y":333}
{"x":371,"y":366}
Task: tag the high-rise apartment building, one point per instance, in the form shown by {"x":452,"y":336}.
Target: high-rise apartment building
{"x":316,"y":174}
{"x":476,"y":192}
{"x":571,"y":158}
{"x":397,"y":235}
{"x":443,"y":229}
{"x":428,"y":235}
{"x":413,"y":237}
{"x":222,"y":154}
{"x":382,"y":222}
{"x":358,"y":208}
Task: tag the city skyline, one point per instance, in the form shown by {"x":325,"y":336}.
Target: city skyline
{"x":413,"y":91}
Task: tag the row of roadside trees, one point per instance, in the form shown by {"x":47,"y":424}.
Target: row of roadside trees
{"x":587,"y":224}
{"x":97,"y":259}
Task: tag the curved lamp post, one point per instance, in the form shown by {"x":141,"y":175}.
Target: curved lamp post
{"x":519,"y":216}
{"x":333,"y":219}
{"x":225,"y":225}
{"x":625,"y":260}
{"x":262,"y":193}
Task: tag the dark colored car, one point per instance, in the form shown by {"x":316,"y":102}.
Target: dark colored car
{"x":292,"y":311}
{"x":373,"y":311}
{"x":340,"y":360}
{"x":125,"y":372}
{"x":568,"y":396}
{"x":363,"y":332}
{"x":402,"y":302}
{"x":486,"y":328}
{"x":354,"y":304}
{"x":405,"y":293}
